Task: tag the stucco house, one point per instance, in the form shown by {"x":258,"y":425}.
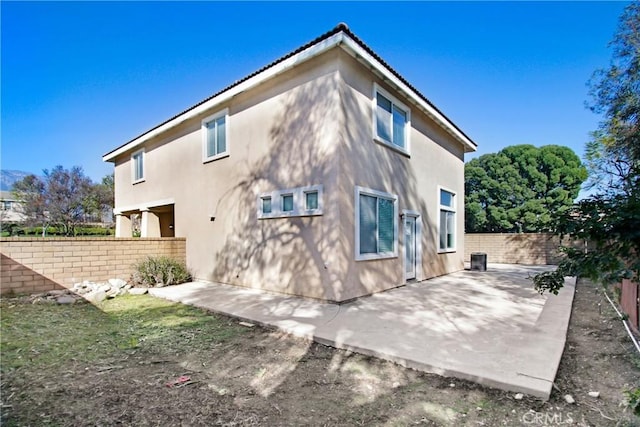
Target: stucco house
{"x":324,"y":174}
{"x":10,"y":208}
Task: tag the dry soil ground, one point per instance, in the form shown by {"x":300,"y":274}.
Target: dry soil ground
{"x":79,"y":365}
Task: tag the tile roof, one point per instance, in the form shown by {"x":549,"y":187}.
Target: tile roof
{"x":341,"y":27}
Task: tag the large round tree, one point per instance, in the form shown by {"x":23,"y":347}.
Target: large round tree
{"x":521,"y":188}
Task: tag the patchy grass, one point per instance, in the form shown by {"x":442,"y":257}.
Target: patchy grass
{"x":39,"y":336}
{"x":80,"y":365}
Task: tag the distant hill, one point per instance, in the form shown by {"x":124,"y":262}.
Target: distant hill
{"x":9,"y":177}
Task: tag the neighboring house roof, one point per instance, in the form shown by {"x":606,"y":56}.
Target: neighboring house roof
{"x":339,"y":36}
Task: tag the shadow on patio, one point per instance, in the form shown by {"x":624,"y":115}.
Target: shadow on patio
{"x":484,"y":327}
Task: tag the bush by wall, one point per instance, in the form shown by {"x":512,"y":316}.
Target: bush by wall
{"x":159,"y":271}
{"x":39,"y":264}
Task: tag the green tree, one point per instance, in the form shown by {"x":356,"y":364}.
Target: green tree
{"x":613,"y":154}
{"x":521,"y":188}
{"x":100,"y":199}
{"x":59,"y":198}
{"x":106,"y":194}
{"x":30,"y":191}
{"x":610,"y":219}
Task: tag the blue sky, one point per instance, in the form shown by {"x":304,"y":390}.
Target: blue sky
{"x":79,"y":79}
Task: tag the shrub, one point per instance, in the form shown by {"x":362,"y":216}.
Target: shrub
{"x":159,"y":271}
{"x":633,"y":400}
{"x":550,"y":281}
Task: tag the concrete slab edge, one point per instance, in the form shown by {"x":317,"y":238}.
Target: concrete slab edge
{"x":552,"y":327}
{"x":543,"y":391}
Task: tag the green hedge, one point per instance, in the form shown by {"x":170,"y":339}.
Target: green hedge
{"x":9,"y":230}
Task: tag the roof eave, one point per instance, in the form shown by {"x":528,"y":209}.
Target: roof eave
{"x":388,"y":76}
{"x":343,"y":38}
{"x":278,"y":68}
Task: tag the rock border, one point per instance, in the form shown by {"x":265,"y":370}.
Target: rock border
{"x":87,"y":291}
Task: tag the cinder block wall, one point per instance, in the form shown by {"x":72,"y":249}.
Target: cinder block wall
{"x":40,"y":264}
{"x":520,"y":248}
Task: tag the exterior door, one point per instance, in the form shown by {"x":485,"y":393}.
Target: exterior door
{"x":410,"y":247}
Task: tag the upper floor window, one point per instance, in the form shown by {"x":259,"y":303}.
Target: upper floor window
{"x":137,"y":166}
{"x":214,"y":140}
{"x":447,"y":222}
{"x":301,"y":201}
{"x":392,"y":120}
{"x":376,"y":225}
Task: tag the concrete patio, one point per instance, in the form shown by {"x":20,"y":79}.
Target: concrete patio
{"x":488,"y":327}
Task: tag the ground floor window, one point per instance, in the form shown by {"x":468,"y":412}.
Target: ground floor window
{"x":376,"y":224}
{"x":447,"y":221}
{"x":301,"y":201}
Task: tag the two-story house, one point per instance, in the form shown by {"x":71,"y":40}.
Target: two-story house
{"x":10,"y":208}
{"x":324,"y":174}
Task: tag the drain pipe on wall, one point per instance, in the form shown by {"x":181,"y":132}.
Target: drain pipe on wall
{"x":635,"y":342}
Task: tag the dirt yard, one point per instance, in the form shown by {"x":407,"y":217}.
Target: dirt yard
{"x":120,"y":364}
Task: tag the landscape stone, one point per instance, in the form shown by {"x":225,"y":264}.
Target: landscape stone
{"x":117,"y":283}
{"x":96,"y":296}
{"x":138,"y":291}
{"x":113,"y":292}
{"x":84,"y":291}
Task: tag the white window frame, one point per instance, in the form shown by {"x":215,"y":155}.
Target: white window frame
{"x":142,"y":154}
{"x":304,"y":200}
{"x":261,"y":204}
{"x":377,"y":89}
{"x":205,"y":131}
{"x":448,"y":209}
{"x":299,"y":202}
{"x":378,"y":194}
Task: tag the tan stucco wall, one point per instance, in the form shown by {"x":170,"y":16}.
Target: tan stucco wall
{"x":281,"y":135}
{"x":308,"y":126}
{"x":435,"y":160}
